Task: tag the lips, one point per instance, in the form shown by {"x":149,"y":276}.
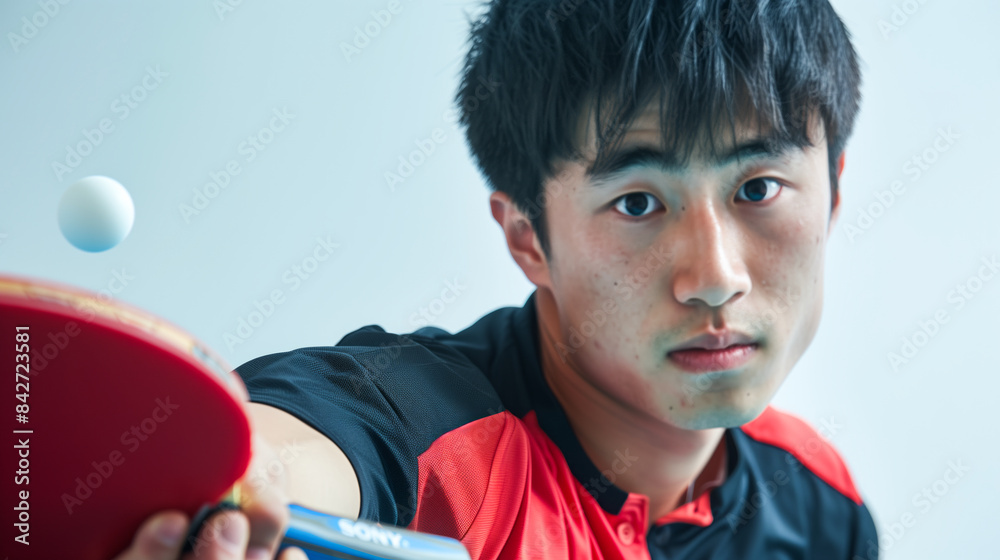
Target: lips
{"x":718,"y":351}
{"x":701,"y":360}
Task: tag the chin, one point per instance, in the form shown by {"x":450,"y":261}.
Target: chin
{"x":703,"y":416}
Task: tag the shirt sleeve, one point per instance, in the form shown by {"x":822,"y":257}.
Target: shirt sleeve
{"x":865,"y":537}
{"x":382,"y":398}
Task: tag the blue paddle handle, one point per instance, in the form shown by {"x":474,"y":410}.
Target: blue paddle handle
{"x":327,"y":537}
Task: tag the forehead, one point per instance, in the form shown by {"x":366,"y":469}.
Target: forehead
{"x":712,"y":142}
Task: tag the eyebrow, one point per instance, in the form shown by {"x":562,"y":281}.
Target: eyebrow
{"x":640,"y":156}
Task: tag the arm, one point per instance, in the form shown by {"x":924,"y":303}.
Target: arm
{"x":318,"y":474}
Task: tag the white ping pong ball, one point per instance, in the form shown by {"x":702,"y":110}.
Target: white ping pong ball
{"x":96,"y":213}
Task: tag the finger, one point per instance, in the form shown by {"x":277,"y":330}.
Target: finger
{"x":223,"y":537}
{"x":268,"y":519}
{"x":293,"y":553}
{"x":264,"y":502}
{"x":159,"y":538}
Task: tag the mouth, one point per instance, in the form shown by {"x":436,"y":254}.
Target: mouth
{"x":704,"y":360}
{"x":714,"y":351}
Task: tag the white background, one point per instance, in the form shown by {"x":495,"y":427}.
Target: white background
{"x":323,"y":176}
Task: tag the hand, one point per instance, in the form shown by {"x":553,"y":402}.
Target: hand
{"x":252,"y":533}
{"x":226,"y":537}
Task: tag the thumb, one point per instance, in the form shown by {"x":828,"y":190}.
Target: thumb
{"x":223,"y":537}
{"x":159,"y":538}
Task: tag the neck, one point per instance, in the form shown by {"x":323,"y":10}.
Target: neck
{"x":647,"y":455}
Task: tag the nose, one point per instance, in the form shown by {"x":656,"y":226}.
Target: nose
{"x":708,"y":266}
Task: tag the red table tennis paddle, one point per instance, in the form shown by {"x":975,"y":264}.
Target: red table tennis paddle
{"x":114,"y":414}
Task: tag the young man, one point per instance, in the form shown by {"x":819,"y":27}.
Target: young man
{"x":665,"y":173}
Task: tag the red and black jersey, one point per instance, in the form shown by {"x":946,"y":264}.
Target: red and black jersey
{"x":460,"y":435}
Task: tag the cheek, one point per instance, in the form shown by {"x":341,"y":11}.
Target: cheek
{"x":790,"y":279}
{"x":587,"y":266}
{"x":600,"y":291}
{"x":596,"y":296}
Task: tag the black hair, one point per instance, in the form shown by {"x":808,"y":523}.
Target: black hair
{"x":548,"y":61}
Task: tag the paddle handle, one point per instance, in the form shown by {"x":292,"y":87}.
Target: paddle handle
{"x":328,"y":537}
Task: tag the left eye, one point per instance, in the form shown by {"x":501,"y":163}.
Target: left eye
{"x":759,"y":189}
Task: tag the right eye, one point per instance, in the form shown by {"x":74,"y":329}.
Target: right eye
{"x":636,"y":204}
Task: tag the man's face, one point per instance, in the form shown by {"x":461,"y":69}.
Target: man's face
{"x":647,"y":259}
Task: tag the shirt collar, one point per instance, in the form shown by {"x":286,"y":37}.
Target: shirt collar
{"x":554,"y":422}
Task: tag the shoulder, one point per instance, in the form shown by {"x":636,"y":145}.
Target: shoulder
{"x":384,"y":399}
{"x":806,"y":446}
{"x":417,"y":382}
{"x":821,"y":498}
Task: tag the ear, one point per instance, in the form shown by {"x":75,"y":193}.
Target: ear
{"x":835,"y":209}
{"x":521,"y":239}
